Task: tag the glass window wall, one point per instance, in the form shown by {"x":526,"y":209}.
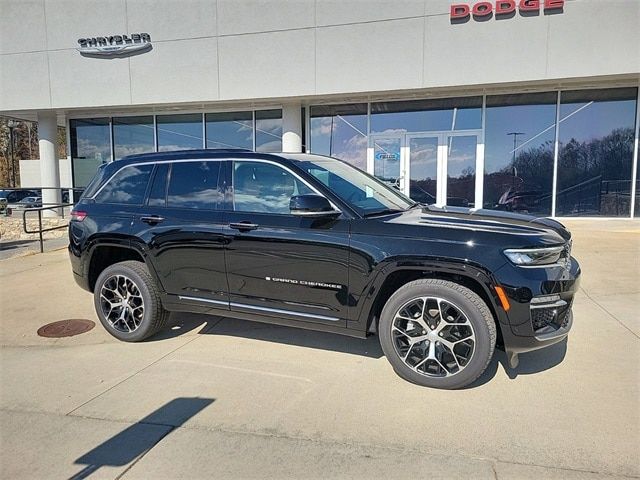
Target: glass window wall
{"x":269,"y":130}
{"x":90,"y":146}
{"x":179,"y":132}
{"x":340,"y":131}
{"x":132,"y":135}
{"x":427,"y":115}
{"x":519,"y":150}
{"x":229,"y":130}
{"x":597,"y":129}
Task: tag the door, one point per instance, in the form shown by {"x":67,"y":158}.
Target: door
{"x":460,"y":167}
{"x":387,"y":159}
{"x":182,"y":228}
{"x":425,"y":161}
{"x":278,"y":264}
{"x":441,"y":168}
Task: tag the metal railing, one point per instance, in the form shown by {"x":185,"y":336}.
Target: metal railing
{"x":40,"y":231}
{"x":67,"y":195}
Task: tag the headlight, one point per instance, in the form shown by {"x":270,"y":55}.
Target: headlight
{"x":533,"y":257}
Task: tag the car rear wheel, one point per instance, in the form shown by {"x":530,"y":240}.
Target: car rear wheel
{"x":127,"y":302}
{"x":437,"y":333}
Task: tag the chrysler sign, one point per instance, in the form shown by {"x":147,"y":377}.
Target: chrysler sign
{"x":114,"y":45}
{"x":503,"y":8}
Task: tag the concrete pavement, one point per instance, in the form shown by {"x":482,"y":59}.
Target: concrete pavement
{"x":231,"y":399}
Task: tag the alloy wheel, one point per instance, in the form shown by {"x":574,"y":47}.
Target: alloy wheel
{"x":122,"y":303}
{"x":433,"y":337}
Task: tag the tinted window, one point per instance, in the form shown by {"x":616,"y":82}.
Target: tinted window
{"x":128,"y":186}
{"x":230,"y":130}
{"x":597,"y":129}
{"x":90,"y":147}
{"x":340,"y":131}
{"x":158,"y":192}
{"x":269,"y":131}
{"x":427,"y":115}
{"x":132,"y":135}
{"x":264,"y":187}
{"x":179,"y":132}
{"x":519,"y":149}
{"x":195,"y":185}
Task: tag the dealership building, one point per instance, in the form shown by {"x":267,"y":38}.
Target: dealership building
{"x":522,"y":105}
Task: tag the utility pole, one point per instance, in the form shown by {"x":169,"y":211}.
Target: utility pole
{"x":515,"y":143}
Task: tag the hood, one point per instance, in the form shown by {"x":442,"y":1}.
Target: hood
{"x":483,"y":223}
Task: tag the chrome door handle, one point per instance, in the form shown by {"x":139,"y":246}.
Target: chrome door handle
{"x":243,"y":226}
{"x":152,"y":219}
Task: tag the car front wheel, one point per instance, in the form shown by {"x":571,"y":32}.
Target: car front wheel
{"x":127,"y":302}
{"x":437,"y":333}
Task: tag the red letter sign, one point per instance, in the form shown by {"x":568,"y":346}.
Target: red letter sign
{"x":459,"y":10}
{"x":553,"y":4}
{"x":529,"y":5}
{"x":482,"y":9}
{"x":505,"y":6}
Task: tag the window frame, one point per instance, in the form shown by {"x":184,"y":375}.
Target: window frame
{"x":144,"y":195}
{"x":232,"y":203}
{"x":222,"y":184}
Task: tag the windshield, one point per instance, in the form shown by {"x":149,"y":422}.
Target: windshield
{"x":367,"y":195}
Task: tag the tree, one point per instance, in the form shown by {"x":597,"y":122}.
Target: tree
{"x":25,"y":143}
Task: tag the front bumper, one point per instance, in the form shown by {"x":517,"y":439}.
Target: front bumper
{"x":541,"y":302}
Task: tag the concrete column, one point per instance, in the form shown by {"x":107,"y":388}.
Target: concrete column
{"x":49,"y":163}
{"x":291,"y":128}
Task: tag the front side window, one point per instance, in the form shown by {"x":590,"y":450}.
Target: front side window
{"x":195,"y":185}
{"x":265,"y":187}
{"x":127,"y":187}
{"x":367,"y":195}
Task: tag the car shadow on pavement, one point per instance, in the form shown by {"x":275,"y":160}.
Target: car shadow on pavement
{"x":182,"y":323}
{"x":530,"y":363}
{"x":135,"y":441}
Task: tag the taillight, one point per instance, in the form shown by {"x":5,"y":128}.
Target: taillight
{"x":78,"y":216}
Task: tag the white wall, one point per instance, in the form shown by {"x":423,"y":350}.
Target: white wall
{"x":223,"y":50}
{"x":30,"y":173}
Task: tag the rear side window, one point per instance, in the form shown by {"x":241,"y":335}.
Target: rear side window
{"x":127,"y":187}
{"x":195,"y":185}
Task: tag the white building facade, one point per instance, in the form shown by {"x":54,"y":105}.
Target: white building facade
{"x":520,"y":105}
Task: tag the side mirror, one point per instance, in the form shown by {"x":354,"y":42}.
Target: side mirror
{"x":311,"y":206}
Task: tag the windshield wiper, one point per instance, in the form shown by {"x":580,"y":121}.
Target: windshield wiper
{"x":386,"y":211}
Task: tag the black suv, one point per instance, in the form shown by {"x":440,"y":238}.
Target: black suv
{"x":313,"y":242}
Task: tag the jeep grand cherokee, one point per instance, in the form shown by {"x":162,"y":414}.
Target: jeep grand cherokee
{"x":313,"y":242}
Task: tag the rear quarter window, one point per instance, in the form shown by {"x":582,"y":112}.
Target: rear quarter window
{"x":127,"y":187}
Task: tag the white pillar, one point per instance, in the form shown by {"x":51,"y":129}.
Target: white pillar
{"x":49,"y":163}
{"x":292,"y":128}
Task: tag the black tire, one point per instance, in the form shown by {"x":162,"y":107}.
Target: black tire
{"x":464,"y":300}
{"x":153,"y":317}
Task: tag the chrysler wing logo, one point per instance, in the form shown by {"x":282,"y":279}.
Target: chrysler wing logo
{"x":115,"y":45}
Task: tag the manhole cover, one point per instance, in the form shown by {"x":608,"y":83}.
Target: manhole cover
{"x":66,"y":328}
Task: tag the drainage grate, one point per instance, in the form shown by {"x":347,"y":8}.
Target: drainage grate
{"x":66,"y":328}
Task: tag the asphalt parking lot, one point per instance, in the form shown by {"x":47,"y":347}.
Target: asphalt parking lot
{"x":214,"y":397}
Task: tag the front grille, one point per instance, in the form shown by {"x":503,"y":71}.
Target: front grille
{"x":547,"y":319}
